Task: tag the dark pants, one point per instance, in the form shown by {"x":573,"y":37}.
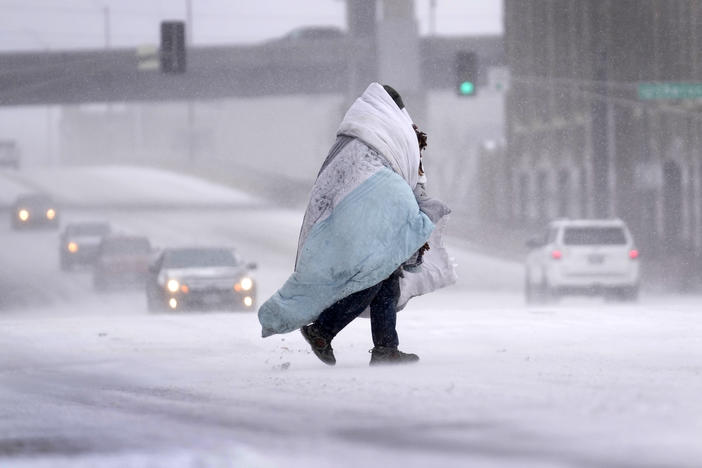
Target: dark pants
{"x":382,"y":299}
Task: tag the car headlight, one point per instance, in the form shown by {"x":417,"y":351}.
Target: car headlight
{"x":23,"y":214}
{"x":246,"y":283}
{"x":72,"y":247}
{"x":173,"y":285}
{"x":50,"y":213}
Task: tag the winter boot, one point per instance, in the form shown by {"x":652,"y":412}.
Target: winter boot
{"x":381,"y":355}
{"x":321,"y":346}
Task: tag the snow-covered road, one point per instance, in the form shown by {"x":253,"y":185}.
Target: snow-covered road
{"x":90,"y":380}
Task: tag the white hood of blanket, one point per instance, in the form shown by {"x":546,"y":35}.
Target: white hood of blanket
{"x":375,"y":119}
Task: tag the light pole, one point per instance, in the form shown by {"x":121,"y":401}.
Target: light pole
{"x":104,"y":8}
{"x":106,"y":25}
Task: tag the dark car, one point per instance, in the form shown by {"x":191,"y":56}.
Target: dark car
{"x":79,"y":243}
{"x":34,"y":210}
{"x":121,"y":260}
{"x":200,"y":278}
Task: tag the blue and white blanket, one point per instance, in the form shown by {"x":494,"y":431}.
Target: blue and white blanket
{"x":362,"y":221}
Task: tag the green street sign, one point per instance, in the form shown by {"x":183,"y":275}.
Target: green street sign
{"x":669,"y":90}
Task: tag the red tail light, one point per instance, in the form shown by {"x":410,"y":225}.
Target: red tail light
{"x":633,"y":254}
{"x":556,"y":255}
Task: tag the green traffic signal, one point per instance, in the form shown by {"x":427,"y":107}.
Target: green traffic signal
{"x":467,"y":87}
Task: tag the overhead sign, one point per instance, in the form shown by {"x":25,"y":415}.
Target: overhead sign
{"x":147,"y":57}
{"x":669,"y":90}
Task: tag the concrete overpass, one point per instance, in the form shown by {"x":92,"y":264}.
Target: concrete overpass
{"x":273,"y":68}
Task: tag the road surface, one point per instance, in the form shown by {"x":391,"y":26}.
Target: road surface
{"x":93,"y":380}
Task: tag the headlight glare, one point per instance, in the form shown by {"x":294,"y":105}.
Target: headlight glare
{"x":23,"y":214}
{"x":173,"y":285}
{"x":50,"y":213}
{"x":72,"y":247}
{"x":246,"y":283}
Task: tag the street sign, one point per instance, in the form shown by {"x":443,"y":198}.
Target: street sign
{"x":147,"y":57}
{"x":669,"y":90}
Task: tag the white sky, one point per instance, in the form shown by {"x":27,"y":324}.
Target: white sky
{"x":62,"y":24}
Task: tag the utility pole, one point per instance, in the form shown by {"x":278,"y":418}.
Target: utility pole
{"x":106,"y":20}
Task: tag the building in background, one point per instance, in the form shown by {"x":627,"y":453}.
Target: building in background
{"x":583,"y":139}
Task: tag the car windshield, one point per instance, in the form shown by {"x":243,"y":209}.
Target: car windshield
{"x":185,"y":258}
{"x":127,"y":246}
{"x":594,"y":236}
{"x":89,"y":229}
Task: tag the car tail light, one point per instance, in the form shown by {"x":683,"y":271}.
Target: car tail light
{"x":633,"y":254}
{"x":556,"y":255}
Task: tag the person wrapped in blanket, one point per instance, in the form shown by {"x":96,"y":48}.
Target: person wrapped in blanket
{"x":371,"y":238}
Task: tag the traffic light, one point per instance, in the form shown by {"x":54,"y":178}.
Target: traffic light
{"x":172,"y":55}
{"x":466,"y":73}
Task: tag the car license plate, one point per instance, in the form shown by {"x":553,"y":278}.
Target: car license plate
{"x":595,"y":259}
